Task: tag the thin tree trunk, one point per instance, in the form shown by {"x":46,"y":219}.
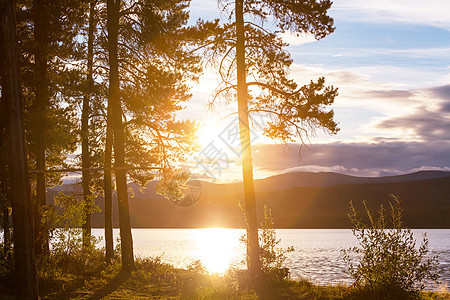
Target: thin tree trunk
{"x":85,"y":157}
{"x":253,"y":260}
{"x":41,"y":104}
{"x":119,"y":136}
{"x":109,"y":243}
{"x":24,"y":255}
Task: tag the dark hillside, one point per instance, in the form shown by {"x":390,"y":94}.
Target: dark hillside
{"x":426,"y":202}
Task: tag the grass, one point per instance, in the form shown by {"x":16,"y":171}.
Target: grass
{"x":154,"y":279}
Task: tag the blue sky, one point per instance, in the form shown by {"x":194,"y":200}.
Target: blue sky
{"x":390,"y":60}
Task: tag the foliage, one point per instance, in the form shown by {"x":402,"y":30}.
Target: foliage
{"x":389,"y":263}
{"x":158,"y":280}
{"x":272,"y":255}
{"x":6,"y":262}
{"x":66,"y":219}
{"x":171,"y":184}
{"x":157,"y":65}
{"x":294,"y":111}
{"x":55,"y":120}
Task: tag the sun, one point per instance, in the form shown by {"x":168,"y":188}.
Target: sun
{"x":209,"y":133}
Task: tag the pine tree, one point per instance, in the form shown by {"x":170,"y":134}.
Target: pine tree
{"x":119,"y":135}
{"x":47,"y":31}
{"x":42,"y":101}
{"x":151,"y":61}
{"x":85,"y":123}
{"x":246,"y":48}
{"x":25,"y":264}
{"x":107,"y":188}
{"x":157,"y":61}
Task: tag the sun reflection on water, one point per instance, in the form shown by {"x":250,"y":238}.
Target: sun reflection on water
{"x":218,"y":248}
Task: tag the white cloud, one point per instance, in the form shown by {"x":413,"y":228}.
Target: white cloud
{"x":295,"y":40}
{"x":432,"y":12}
{"x":429,"y":168}
{"x":336,"y":169}
{"x":401,"y":55}
{"x":373,"y":76}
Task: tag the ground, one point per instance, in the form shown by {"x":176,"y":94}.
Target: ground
{"x":153,"y":279}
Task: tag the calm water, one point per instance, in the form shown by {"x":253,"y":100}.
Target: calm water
{"x":317,"y":254}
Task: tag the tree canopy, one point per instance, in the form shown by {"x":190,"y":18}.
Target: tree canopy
{"x":294,"y":110}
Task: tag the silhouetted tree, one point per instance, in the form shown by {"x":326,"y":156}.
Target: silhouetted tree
{"x":85,"y":122}
{"x":107,"y":188}
{"x":85,"y":91}
{"x":157,"y":60}
{"x":47,"y":31}
{"x":25,"y":265}
{"x":248,"y":48}
{"x":42,"y":101}
{"x":155,"y":55}
{"x":119,"y":135}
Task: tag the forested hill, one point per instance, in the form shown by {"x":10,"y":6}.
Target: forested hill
{"x":297,"y":200}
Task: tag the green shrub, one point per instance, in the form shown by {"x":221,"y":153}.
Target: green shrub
{"x":389,"y":265}
{"x":271,"y":254}
{"x":67,"y":254}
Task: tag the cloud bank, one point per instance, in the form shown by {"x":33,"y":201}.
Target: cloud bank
{"x":360,"y":159}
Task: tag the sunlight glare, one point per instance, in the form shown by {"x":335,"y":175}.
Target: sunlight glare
{"x":209,"y":132}
{"x":218,"y":248}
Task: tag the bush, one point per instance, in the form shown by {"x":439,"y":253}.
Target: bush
{"x":271,"y":254}
{"x":389,"y":265}
{"x":67,"y":254}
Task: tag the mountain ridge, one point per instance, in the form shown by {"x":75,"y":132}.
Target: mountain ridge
{"x":324,"y":179}
{"x":425,"y":195}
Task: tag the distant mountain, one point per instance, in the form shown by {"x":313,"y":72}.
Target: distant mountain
{"x":321,"y":179}
{"x":297,"y":200}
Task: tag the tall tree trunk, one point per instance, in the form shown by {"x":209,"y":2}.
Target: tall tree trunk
{"x":126,"y":238}
{"x":253,"y":260}
{"x":109,"y":243}
{"x":24,"y":255}
{"x":85,"y":157}
{"x":41,"y":26}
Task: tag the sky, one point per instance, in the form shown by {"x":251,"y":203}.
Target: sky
{"x":390,"y":60}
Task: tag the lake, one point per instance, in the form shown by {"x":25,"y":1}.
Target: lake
{"x":317,"y":255}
